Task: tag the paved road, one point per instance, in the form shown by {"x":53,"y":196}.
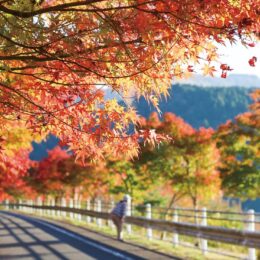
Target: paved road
{"x":24,"y":237}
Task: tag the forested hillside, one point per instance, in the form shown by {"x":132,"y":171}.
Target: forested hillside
{"x":202,"y":106}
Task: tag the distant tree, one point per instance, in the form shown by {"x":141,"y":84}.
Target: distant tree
{"x":94,"y":180}
{"x":189,"y":162}
{"x":59,"y":175}
{"x":47,"y":178}
{"x":12,"y":173}
{"x":239,"y":143}
{"x":126,"y":177}
{"x":15,"y":147}
{"x":200,"y":162}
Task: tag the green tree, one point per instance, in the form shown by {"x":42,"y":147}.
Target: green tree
{"x":188,"y":162}
{"x":128,"y":177}
{"x":239,"y":143}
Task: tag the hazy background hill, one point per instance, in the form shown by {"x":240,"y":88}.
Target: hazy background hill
{"x":40,"y":149}
{"x":200,"y":106}
{"x":233,"y":80}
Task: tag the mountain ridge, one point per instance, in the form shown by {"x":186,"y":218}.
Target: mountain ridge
{"x":233,"y":80}
{"x":200,"y":106}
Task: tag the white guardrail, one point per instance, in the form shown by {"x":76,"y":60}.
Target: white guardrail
{"x":246,"y":237}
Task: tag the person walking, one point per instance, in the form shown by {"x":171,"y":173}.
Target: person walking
{"x":118,"y":215}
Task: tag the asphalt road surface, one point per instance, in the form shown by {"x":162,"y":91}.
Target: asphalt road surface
{"x":26,"y":237}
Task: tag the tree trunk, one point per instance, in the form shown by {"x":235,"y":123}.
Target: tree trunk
{"x":163,"y":234}
{"x":195,"y":207}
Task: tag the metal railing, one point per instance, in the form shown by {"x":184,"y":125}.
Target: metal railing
{"x":247,"y":237}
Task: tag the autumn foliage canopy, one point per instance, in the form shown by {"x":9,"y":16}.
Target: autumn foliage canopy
{"x":57,"y":57}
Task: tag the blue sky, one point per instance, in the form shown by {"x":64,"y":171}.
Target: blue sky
{"x":237,"y":56}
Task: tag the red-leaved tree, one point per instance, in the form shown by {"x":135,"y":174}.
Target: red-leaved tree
{"x":57,"y":57}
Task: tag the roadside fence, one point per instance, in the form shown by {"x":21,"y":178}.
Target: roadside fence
{"x":236,"y":228}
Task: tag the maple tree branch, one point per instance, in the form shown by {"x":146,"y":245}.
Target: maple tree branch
{"x":180,"y":18}
{"x":47,"y":9}
{"x":117,"y":31}
{"x":12,"y":69}
{"x":30,"y":58}
{"x":17,"y":43}
{"x":17,"y":108}
{"x":4,"y":1}
{"x":56,"y":117}
{"x":67,"y":7}
{"x":21,"y":95}
{"x":63,"y":55}
{"x":36,"y":105}
{"x":108,"y":9}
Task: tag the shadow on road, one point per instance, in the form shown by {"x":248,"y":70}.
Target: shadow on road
{"x":23,"y":237}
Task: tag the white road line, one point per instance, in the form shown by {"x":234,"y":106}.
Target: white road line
{"x":102,"y":248}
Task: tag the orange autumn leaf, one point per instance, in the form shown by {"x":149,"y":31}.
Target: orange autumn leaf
{"x":54,"y":74}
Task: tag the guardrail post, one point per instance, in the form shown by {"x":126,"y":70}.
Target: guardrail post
{"x":53,"y":212}
{"x":251,"y":227}
{"x":31,"y":209}
{"x":49,"y":211}
{"x":79,"y":207}
{"x":43,"y":204}
{"x":39,"y":203}
{"x":63,"y":204}
{"x":76,"y":215}
{"x":24,"y":202}
{"x":30,"y":202}
{"x":57,"y":204}
{"x":71,"y":215}
{"x":204,"y":242}
{"x":20,"y":202}
{"x":88,"y":207}
{"x":95,"y":208}
{"x":99,"y":209}
{"x":129,"y":213}
{"x":23,"y":208}
{"x":175,"y":239}
{"x":28,"y":209}
{"x":16,"y":206}
{"x":48,"y":204}
{"x":6,"y":204}
{"x":149,"y":216}
{"x":36,"y":203}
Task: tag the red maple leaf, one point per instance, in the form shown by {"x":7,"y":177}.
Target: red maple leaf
{"x":252,"y":61}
